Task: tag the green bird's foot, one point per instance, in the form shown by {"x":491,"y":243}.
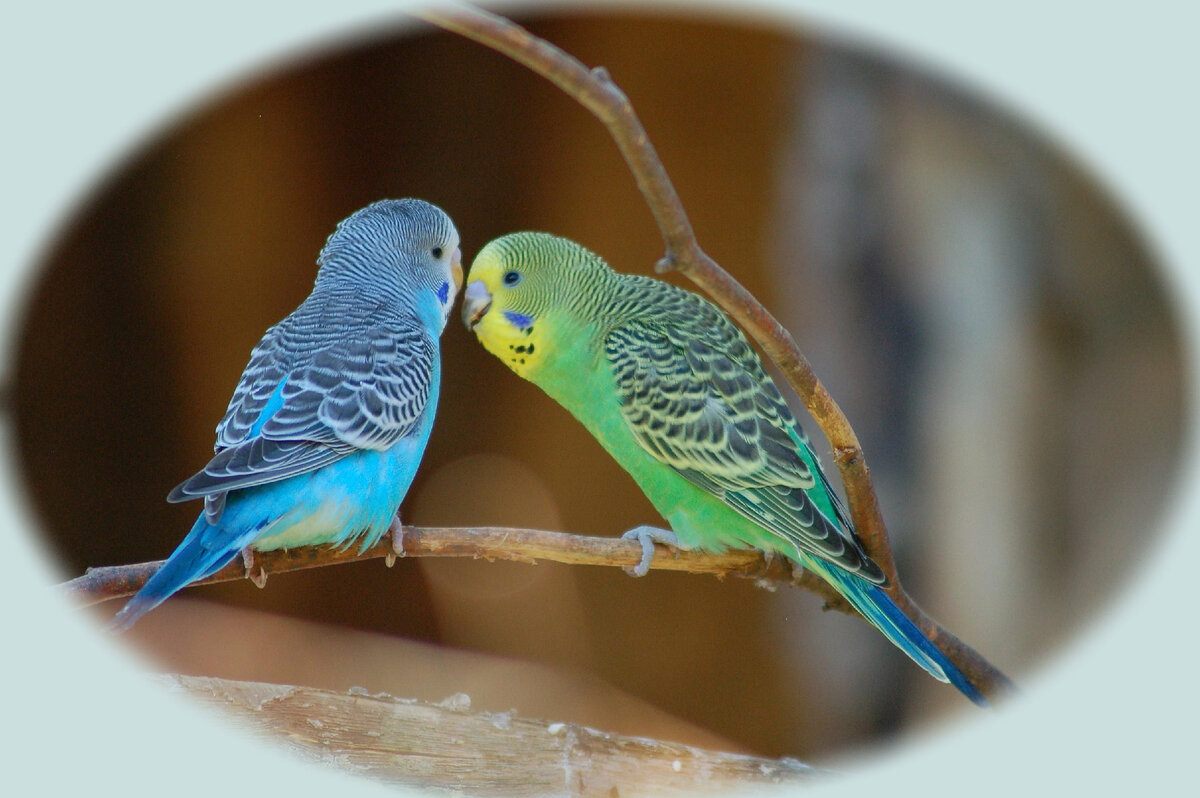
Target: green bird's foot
{"x":259,"y":579}
{"x":396,"y":534}
{"x":648,"y":536}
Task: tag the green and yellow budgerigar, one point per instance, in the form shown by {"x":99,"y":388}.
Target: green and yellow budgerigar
{"x":672,"y":389}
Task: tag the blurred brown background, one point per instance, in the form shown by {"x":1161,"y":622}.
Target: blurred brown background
{"x":986,"y":317}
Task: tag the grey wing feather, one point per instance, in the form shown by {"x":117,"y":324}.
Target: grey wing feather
{"x":337,"y":390}
{"x":695,"y":396}
{"x":365,"y":394}
{"x":270,"y":362}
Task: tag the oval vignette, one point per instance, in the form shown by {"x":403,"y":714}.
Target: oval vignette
{"x":968,"y":294}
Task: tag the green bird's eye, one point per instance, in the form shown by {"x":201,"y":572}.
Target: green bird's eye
{"x":512,"y":278}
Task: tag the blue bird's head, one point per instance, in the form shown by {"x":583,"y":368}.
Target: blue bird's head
{"x":400,"y":247}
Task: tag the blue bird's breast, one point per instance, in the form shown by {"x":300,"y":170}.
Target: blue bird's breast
{"x":351,"y":501}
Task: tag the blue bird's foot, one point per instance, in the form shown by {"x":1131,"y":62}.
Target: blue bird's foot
{"x":396,"y":534}
{"x":259,"y":579}
{"x":648,"y":536}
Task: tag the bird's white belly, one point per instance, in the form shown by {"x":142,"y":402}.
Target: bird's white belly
{"x":327,"y":524}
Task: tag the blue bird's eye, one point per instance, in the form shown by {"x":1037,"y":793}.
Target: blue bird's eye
{"x":436,"y":252}
{"x":444,"y":292}
{"x":512,"y":278}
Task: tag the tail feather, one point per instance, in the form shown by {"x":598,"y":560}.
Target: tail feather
{"x":195,"y":558}
{"x":878,"y":608}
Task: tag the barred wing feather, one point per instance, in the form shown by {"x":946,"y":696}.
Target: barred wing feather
{"x":695,"y":397}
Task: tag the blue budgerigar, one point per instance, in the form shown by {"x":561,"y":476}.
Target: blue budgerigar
{"x":330,"y":419}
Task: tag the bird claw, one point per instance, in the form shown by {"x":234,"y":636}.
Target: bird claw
{"x":647,"y":536}
{"x":396,"y":534}
{"x":259,"y":579}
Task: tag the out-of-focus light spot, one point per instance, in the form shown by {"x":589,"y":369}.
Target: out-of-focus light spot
{"x":483,"y":490}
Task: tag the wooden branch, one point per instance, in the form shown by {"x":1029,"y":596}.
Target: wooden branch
{"x":491,"y":543}
{"x":594,"y":89}
{"x":447,"y":747}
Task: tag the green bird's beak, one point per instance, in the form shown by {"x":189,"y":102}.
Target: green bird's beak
{"x":476,"y":303}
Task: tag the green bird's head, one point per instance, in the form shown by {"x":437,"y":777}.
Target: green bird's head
{"x":527,"y":291}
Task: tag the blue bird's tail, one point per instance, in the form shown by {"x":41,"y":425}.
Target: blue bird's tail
{"x":199,"y":555}
{"x":878,"y":608}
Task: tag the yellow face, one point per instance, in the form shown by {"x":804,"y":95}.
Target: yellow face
{"x":494,"y":310}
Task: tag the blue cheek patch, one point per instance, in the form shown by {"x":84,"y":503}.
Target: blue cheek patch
{"x":444,"y":292}
{"x":519,"y":320}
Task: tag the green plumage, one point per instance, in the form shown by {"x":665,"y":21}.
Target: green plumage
{"x":674,"y":392}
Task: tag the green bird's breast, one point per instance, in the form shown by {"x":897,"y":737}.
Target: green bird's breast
{"x":580,"y":379}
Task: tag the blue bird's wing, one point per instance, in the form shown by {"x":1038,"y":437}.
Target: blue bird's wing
{"x":305,"y":403}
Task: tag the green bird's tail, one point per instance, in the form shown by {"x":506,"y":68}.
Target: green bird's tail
{"x":878,"y":608}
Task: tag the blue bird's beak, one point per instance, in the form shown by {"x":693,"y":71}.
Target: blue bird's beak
{"x":476,"y":303}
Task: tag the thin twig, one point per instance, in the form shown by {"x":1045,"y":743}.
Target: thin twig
{"x":490,"y":543}
{"x":594,"y":89}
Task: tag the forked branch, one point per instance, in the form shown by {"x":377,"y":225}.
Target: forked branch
{"x":595,"y":90}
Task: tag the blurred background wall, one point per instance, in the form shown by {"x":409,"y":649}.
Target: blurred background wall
{"x":985,"y":315}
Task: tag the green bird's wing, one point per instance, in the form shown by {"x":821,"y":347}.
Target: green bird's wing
{"x":696,"y":397}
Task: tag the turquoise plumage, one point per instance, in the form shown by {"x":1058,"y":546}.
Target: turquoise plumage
{"x":330,"y":419}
